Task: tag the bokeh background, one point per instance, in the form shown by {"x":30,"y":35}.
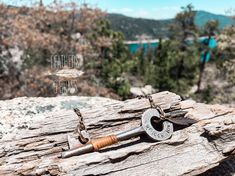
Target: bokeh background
{"x":123,"y":50}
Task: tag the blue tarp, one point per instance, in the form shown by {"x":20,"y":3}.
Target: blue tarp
{"x":212,"y":44}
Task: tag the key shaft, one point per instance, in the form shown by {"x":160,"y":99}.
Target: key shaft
{"x":130,"y":133}
{"x":146,"y":127}
{"x":90,"y":147}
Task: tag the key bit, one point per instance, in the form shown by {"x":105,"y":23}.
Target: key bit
{"x":75,"y":142}
{"x":146,"y":127}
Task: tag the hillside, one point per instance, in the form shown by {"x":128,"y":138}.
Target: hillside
{"x":133,"y":27}
{"x":202,"y":17}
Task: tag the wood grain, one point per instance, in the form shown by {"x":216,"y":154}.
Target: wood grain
{"x":31,"y":146}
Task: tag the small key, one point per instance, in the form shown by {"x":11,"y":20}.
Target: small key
{"x":146,"y":127}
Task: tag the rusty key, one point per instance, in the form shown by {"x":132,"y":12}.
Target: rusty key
{"x":146,"y":127}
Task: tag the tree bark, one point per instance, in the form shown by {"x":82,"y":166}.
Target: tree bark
{"x":32,"y":146}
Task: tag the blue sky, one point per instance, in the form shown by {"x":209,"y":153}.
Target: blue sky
{"x":155,"y":9}
{"x":161,"y":9}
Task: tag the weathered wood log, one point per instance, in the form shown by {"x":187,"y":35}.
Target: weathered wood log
{"x":31,"y":146}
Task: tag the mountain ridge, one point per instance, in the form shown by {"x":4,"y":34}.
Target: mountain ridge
{"x":132,"y":27}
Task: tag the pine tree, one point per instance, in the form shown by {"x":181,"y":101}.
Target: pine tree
{"x":113,"y":62}
{"x":183,"y":48}
{"x":41,"y":3}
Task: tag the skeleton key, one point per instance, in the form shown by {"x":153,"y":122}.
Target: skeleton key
{"x":146,"y":127}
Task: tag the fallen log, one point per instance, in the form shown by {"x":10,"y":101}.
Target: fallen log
{"x":31,"y":145}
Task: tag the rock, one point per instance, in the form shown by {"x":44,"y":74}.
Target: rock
{"x":146,"y":90}
{"x":136,"y":91}
{"x":34,"y":131}
{"x":193,"y":89}
{"x":24,"y":107}
{"x":10,"y":59}
{"x":76,"y":36}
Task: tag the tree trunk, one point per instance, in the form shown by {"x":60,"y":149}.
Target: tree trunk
{"x":203,"y":64}
{"x":31,"y":146}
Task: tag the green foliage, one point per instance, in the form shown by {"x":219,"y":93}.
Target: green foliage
{"x":132,"y":27}
{"x":35,"y":56}
{"x":160,"y":68}
{"x":174,"y":64}
{"x":184,"y":25}
{"x":113,"y":58}
{"x":176,"y":60}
